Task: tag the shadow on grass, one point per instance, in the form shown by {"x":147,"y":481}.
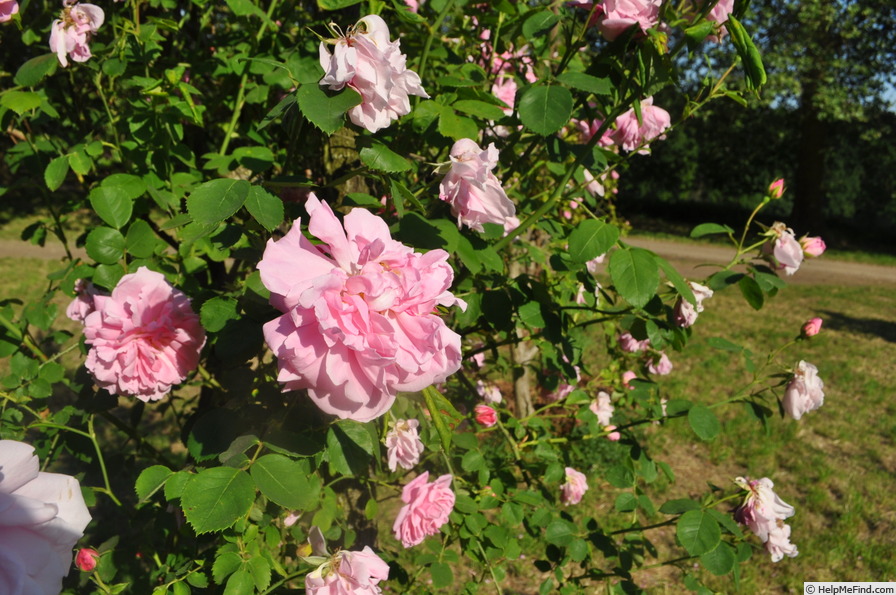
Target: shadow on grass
{"x":885,"y":329}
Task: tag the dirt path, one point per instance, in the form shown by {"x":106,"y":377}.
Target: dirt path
{"x":684,"y":255}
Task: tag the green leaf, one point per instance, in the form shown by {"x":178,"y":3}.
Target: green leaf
{"x":225,"y":564}
{"x":626,"y":502}
{"x":704,"y":422}
{"x":284,"y":482}
{"x":217,"y":200}
{"x":105,"y":245}
{"x":456,"y":127}
{"x":635,"y":275}
{"x":468,"y":75}
{"x":443,"y":414}
{"x":107,"y":276}
{"x":590,"y":239}
{"x":141,"y":240}
{"x":723,"y":343}
{"x":216,"y":498}
{"x":545,"y":109}
{"x":198,"y":580}
{"x":539,"y":24}
{"x":719,"y":560}
{"x":349,"y":448}
{"x":174,"y":487}
{"x":55,"y":173}
{"x":31,"y":72}
{"x":242,"y":8}
{"x":705,"y":229}
{"x":284,"y":104}
{"x":260,"y":569}
{"x":676,"y":279}
{"x":215,"y":313}
{"x":20,"y":101}
{"x":442,"y":575}
{"x":240,"y":582}
{"x":266,"y":208}
{"x":379,"y":157}
{"x":479,"y":109}
{"x":324,"y":111}
{"x":698,"y":532}
{"x":151,"y":480}
{"x":112,"y":206}
{"x":530,"y":315}
{"x":679,"y":506}
{"x":560,"y":532}
{"x":586,"y":82}
{"x":697,"y":33}
{"x":255,"y":158}
{"x":336,"y":4}
{"x":751,"y":292}
{"x":748,"y":53}
{"x":126,"y":185}
{"x":80,"y":162}
{"x":473,"y":461}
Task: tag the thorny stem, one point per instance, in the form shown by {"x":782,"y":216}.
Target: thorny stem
{"x":490,"y":569}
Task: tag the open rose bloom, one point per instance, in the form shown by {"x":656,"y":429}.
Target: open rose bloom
{"x":70,"y":33}
{"x":42,"y":517}
{"x":782,"y":250}
{"x":618,"y":15}
{"x":358,"y":323}
{"x":631,"y":134}
{"x":474,"y":193}
{"x":348,"y":573}
{"x":804,"y":392}
{"x":427,"y":506}
{"x":763,"y":511}
{"x":365,"y":60}
{"x":685,"y":313}
{"x":144,"y":337}
{"x":574,"y":487}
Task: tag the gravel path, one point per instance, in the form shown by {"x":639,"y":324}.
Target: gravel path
{"x":684,"y":255}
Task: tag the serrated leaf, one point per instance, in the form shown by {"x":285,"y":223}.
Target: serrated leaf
{"x":682,"y":286}
{"x":456,"y":127}
{"x":151,"y":480}
{"x":545,"y":109}
{"x":539,"y":23}
{"x":379,"y":157}
{"x":215,"y":313}
{"x":284,"y":482}
{"x":679,"y":506}
{"x":260,"y":569}
{"x":55,"y":173}
{"x":586,"y":82}
{"x":443,"y":414}
{"x":31,"y":72}
{"x":590,"y":239}
{"x":698,"y":532}
{"x":105,"y":245}
{"x":560,"y":532}
{"x":266,"y":208}
{"x":255,"y":158}
{"x":113,"y":206}
{"x":240,"y":582}
{"x":336,"y":4}
{"x":479,"y":109}
{"x":325,"y":112}
{"x":705,"y":229}
{"x":225,"y":564}
{"x":174,"y":487}
{"x":635,"y":275}
{"x":215,"y":201}
{"x":751,"y":292}
{"x":141,"y":240}
{"x":442,"y":575}
{"x":216,"y":498}
{"x":719,"y":560}
{"x":704,"y":422}
{"x":80,"y":162}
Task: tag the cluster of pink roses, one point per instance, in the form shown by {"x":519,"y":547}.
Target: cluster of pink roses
{"x":657,"y":363}
{"x":42,"y":517}
{"x":764,"y":512}
{"x":144,"y":337}
{"x":358,"y":323}
{"x":73,"y":29}
{"x":368,"y":62}
{"x":614,"y":17}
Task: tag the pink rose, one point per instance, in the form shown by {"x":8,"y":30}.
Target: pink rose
{"x":804,"y":391}
{"x":719,"y":14}
{"x":602,"y":408}
{"x":812,"y":246}
{"x":70,"y":33}
{"x":365,"y":60}
{"x":86,"y":559}
{"x":612,"y":436}
{"x":414,"y":5}
{"x":631,"y":135}
{"x":144,"y":337}
{"x":631,"y":345}
{"x":485,"y":415}
{"x":489,"y":392}
{"x":505,"y":89}
{"x":358,"y":323}
{"x":619,"y":15}
{"x":403,"y":444}
{"x":661,"y":366}
{"x":42,"y":517}
{"x":812,"y":327}
{"x":782,"y":250}
{"x":473,"y":191}
{"x":574,"y":487}
{"x":426,"y":509}
{"x":8,"y":8}
{"x":627,"y":377}
{"x":685,"y":313}
{"x":593,"y":265}
{"x":83,"y":304}
{"x":763,"y":512}
{"x":776,"y":189}
{"x":348,"y":573}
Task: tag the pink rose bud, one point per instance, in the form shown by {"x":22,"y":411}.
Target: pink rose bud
{"x":574,"y":488}
{"x":776,"y":189}
{"x":8,"y":8}
{"x":613,"y":436}
{"x":812,"y":246}
{"x":812,"y":327}
{"x":627,"y":377}
{"x":485,"y":415}
{"x":86,"y":559}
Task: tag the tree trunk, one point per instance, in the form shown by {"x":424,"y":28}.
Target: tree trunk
{"x":807,"y":215}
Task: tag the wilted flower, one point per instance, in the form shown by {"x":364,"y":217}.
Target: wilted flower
{"x":764,"y":512}
{"x":631,"y":345}
{"x":348,"y":573}
{"x":365,"y":60}
{"x":685,"y":313}
{"x":403,"y":444}
{"x":473,"y":191}
{"x":42,"y":517}
{"x":630,"y":134}
{"x":661,"y":366}
{"x":358,"y":323}
{"x":812,"y":327}
{"x":144,"y":337}
{"x":485,"y":415}
{"x":489,"y":392}
{"x":804,"y":391}
{"x":575,"y":486}
{"x":782,"y":249}
{"x":602,"y":408}
{"x":83,"y":304}
{"x":426,"y":509}
{"x":812,"y":246}
{"x":70,"y":33}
